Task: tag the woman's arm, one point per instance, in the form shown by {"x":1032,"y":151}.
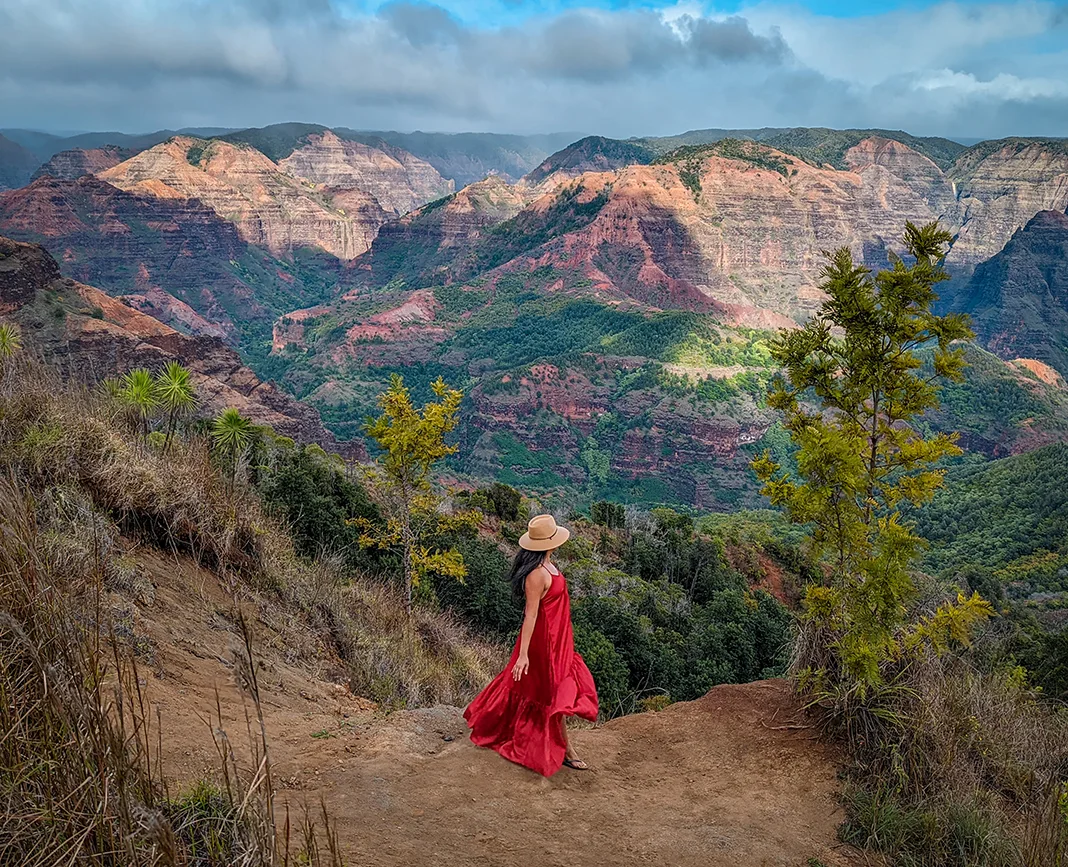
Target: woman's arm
{"x":537,"y":584}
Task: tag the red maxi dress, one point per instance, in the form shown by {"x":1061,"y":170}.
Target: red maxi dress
{"x":523,"y":720}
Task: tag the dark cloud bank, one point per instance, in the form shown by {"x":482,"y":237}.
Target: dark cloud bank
{"x":411,"y":65}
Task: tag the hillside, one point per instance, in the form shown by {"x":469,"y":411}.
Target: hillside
{"x":591,"y":154}
{"x":170,"y":256}
{"x":16,"y":164}
{"x":92,"y":336}
{"x":1019,"y":297}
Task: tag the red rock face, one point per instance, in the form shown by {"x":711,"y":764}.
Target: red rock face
{"x":154,"y":248}
{"x":73,"y":164}
{"x":1000,"y":188}
{"x":398,"y":181}
{"x":107,"y":337}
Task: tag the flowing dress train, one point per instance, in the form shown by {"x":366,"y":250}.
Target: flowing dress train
{"x":523,"y":720}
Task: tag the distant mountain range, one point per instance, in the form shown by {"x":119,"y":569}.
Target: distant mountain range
{"x":606,"y":306}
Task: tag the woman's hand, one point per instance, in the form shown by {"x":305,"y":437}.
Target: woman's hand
{"x":522,"y":665}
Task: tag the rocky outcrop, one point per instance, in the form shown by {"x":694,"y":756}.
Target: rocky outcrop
{"x":269,"y":207}
{"x":24,"y":269}
{"x":591,"y":154}
{"x":399,"y":181}
{"x":101,"y":336}
{"x":421,"y":247}
{"x":167,"y":309}
{"x":72,"y":164}
{"x":1018,"y":299}
{"x":1000,"y":186}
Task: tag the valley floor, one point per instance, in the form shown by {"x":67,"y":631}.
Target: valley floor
{"x":735,"y":778}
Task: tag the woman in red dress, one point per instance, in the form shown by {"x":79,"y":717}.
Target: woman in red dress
{"x":521,"y":714}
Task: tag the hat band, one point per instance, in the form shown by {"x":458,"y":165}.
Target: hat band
{"x":544,"y":538}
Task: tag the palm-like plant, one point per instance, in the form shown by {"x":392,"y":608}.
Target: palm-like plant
{"x":176,"y":394}
{"x":231,"y":433}
{"x":10,"y":343}
{"x":140,"y":395}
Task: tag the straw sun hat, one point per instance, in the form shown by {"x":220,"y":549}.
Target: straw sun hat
{"x":543,"y":534}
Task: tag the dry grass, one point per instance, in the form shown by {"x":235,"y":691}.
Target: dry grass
{"x":80,"y":775}
{"x":953,"y":765}
{"x":82,"y":456}
{"x":81,"y":780}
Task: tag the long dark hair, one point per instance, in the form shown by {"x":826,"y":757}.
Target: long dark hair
{"x":525,"y":562}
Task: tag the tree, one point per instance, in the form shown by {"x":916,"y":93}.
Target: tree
{"x":858,"y":457}
{"x":139,"y":394}
{"x":176,"y":394}
{"x":232,"y":434}
{"x":412,"y":442}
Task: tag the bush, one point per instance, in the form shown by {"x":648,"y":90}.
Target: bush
{"x":316,"y":500}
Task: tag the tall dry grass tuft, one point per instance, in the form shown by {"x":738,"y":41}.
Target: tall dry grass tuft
{"x":953,"y":765}
{"x":81,"y":780}
{"x":80,"y":776}
{"x":79,"y":445}
{"x":60,"y":436}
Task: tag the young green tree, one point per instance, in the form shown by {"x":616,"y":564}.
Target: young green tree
{"x":412,"y":442}
{"x":232,"y":433}
{"x":140,"y":396}
{"x":177,"y":395}
{"x":853,"y":382}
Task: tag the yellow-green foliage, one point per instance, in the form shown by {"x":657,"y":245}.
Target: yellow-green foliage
{"x":412,"y":442}
{"x":858,"y":457}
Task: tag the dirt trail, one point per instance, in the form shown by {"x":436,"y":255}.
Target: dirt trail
{"x":726,"y":781}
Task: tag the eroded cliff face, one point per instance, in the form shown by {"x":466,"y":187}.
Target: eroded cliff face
{"x":739,"y":237}
{"x":269,"y":207}
{"x":153,"y":247}
{"x":91,"y":335}
{"x":1018,"y":299}
{"x":399,"y":181}
{"x":72,"y":164}
{"x":1001,"y":186}
{"x":329,"y":193}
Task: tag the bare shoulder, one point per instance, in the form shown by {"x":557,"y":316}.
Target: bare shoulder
{"x":540,"y":579}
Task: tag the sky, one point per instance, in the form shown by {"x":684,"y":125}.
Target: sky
{"x":610,"y":67}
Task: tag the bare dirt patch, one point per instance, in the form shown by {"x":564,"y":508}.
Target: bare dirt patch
{"x":736,"y":778}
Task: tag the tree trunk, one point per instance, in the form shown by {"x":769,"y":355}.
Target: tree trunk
{"x":407,"y":541}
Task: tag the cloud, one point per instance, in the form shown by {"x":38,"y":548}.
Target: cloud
{"x":632,"y":70}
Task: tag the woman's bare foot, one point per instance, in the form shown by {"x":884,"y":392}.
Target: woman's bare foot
{"x":576,"y":764}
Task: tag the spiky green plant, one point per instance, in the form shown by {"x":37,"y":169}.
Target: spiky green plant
{"x":10,"y":344}
{"x":140,"y":395}
{"x":177,"y":395}
{"x":10,"y":340}
{"x":231,"y":434}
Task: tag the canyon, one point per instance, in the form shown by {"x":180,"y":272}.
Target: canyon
{"x":608,"y":313}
